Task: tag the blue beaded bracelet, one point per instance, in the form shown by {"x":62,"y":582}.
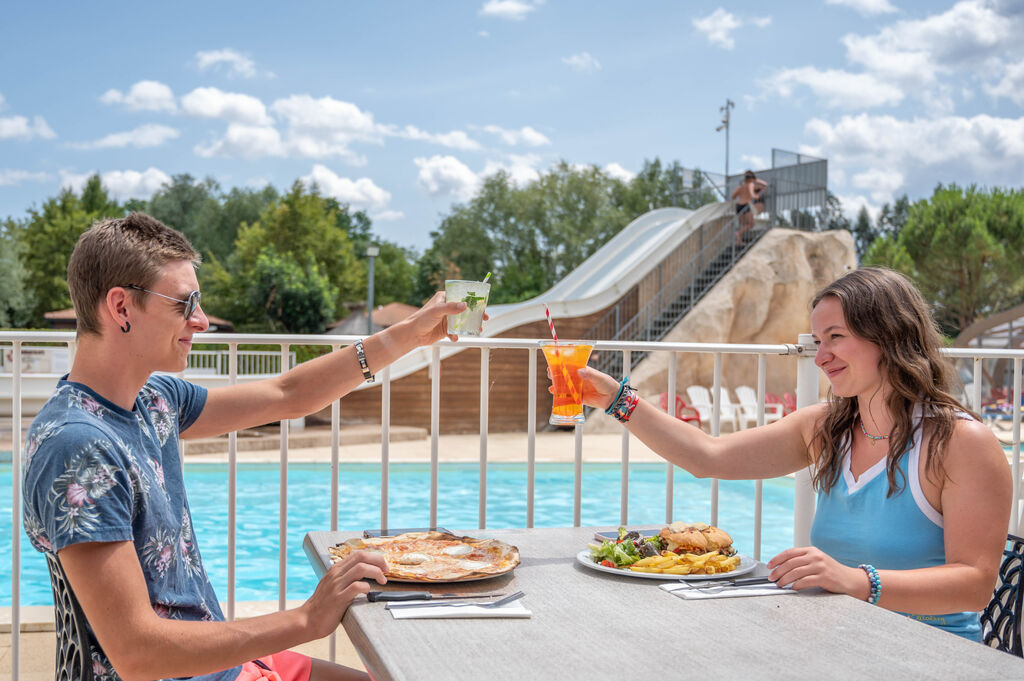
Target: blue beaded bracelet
{"x":875,"y":581}
{"x":622,"y":386}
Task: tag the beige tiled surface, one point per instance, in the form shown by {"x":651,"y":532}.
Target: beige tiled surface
{"x":37,"y":653}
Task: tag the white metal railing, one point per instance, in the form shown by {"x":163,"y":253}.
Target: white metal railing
{"x":806,"y":391}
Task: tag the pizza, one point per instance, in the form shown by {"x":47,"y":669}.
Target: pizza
{"x":435,"y":556}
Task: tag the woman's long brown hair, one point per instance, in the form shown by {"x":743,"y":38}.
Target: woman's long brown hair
{"x":885,"y":308}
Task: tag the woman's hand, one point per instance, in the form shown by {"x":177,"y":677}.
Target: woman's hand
{"x":807,"y":566}
{"x":598,"y":389}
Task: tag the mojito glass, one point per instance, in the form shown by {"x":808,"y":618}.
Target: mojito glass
{"x":469,"y":322}
{"x":565,"y":359}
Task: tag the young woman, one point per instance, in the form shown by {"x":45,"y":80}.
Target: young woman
{"x":914,"y":494}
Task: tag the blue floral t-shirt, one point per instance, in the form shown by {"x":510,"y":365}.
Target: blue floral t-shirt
{"x":95,"y":472}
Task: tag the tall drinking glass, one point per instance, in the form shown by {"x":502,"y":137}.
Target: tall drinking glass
{"x":565,"y":358}
{"x":469,"y":322}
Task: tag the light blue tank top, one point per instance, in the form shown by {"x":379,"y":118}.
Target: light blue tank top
{"x":847,"y":521}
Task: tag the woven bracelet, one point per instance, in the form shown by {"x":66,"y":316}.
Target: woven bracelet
{"x":624,"y":406}
{"x":618,"y":395}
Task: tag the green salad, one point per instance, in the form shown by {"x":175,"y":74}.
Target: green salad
{"x":630,"y":547}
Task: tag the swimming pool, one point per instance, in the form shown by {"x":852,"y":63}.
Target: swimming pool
{"x":409,"y":506}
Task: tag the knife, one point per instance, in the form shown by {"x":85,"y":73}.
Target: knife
{"x":739,"y":581}
{"x":373,"y":596}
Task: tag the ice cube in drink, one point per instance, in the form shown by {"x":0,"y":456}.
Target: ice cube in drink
{"x":565,"y":359}
{"x":469,"y":322}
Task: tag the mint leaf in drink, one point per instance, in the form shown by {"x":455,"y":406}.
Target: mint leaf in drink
{"x":472,"y":300}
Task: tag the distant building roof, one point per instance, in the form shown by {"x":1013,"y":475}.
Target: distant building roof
{"x":383,"y":317}
{"x":67,"y":319}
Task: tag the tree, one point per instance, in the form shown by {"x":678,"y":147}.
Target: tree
{"x":864,"y":232}
{"x":293,"y":298}
{"x":965,"y":250}
{"x":298,"y":241}
{"x":47,"y":238}
{"x":891,"y":220}
{"x":15,"y":303}
{"x":180,"y":205}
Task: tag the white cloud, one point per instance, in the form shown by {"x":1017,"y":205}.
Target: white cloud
{"x":9,"y":177}
{"x":582,"y":62}
{"x":3,"y":104}
{"x":235,"y":62}
{"x":387,"y":216}
{"x":123,"y":184}
{"x":234,"y":107}
{"x":866,"y":7}
{"x":838,"y":89}
{"x":525,"y":135}
{"x":917,"y":51}
{"x":342,"y":121}
{"x":753,"y":161}
{"x":618,"y":172}
{"x":19,"y":127}
{"x":245,"y":141}
{"x":362,"y":193}
{"x":1011,"y":85}
{"x":446,"y":176}
{"x":718,"y":26}
{"x":483,"y":34}
{"x":510,"y":10}
{"x":456,"y":139}
{"x":521,"y":169}
{"x":881,"y":182}
{"x":142,"y":137}
{"x":145,"y":95}
{"x":852,"y":203}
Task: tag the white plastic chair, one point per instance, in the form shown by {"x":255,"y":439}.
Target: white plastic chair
{"x":700,"y":399}
{"x":748,"y":407}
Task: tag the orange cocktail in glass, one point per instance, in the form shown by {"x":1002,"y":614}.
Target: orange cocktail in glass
{"x":565,"y":359}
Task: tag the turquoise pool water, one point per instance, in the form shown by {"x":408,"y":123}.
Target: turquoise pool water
{"x":409,"y":497}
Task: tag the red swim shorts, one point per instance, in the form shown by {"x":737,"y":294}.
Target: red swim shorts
{"x":283,"y":666}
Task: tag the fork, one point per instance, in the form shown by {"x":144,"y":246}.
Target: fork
{"x":492,"y":604}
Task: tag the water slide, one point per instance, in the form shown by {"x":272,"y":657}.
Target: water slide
{"x":598,"y":282}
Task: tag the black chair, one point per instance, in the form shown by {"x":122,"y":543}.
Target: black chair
{"x":74,"y":658}
{"x":1001,"y":620}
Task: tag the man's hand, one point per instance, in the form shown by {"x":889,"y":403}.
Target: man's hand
{"x":339,"y":587}
{"x":429,"y":324}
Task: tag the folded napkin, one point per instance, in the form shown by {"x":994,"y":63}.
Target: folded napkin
{"x":693,"y":591}
{"x":514,"y":610}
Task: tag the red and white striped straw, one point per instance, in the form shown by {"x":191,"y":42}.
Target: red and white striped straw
{"x":551,"y":323}
{"x":565,"y":372}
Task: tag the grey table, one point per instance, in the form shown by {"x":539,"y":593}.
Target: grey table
{"x":590,"y":625}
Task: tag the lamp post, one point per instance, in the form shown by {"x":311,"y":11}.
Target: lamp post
{"x":725,"y":124}
{"x":371,"y":252}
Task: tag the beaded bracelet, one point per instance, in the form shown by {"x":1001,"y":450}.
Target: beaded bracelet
{"x":625,"y":405}
{"x":622,"y":386}
{"x":875,"y":581}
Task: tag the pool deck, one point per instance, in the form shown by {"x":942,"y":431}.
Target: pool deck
{"x":557,"y":446}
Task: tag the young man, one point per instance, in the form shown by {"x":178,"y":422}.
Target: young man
{"x":103,"y":481}
{"x":749,"y":202}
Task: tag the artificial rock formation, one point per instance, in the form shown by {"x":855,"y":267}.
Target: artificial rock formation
{"x":765,"y":298}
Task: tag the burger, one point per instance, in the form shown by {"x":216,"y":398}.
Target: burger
{"x":696,"y":538}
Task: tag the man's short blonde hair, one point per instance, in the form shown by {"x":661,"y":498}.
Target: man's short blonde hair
{"x":121,"y":252}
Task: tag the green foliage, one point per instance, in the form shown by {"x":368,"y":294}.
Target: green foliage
{"x":864,"y":232}
{"x":299,"y":245}
{"x":964,"y":248}
{"x":47,"y":238}
{"x":530,"y":237}
{"x":15,"y":302}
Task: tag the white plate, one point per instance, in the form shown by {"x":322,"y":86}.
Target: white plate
{"x":746,"y":565}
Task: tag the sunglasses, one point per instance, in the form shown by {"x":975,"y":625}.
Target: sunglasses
{"x":190,"y":303}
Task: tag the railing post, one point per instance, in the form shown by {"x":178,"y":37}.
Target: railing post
{"x":806,"y":395}
{"x":16,"y":474}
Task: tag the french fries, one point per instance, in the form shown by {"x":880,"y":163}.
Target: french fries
{"x":710,"y":563}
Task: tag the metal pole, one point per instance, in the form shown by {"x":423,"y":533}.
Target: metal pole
{"x":371,"y":252}
{"x":806,"y":395}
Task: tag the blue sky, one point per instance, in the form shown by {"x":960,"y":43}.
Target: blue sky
{"x":400,"y":108}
